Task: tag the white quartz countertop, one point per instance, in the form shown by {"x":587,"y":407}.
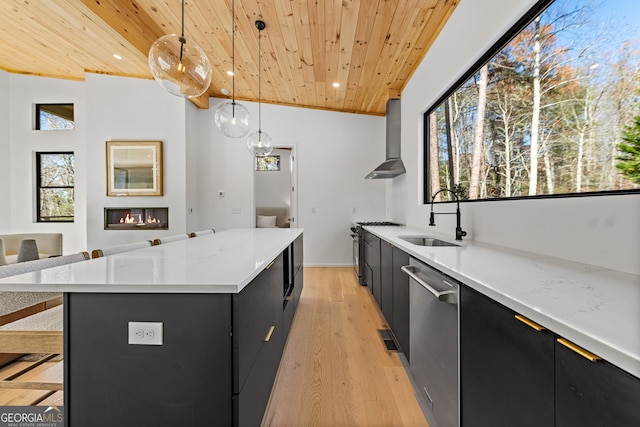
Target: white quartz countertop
{"x":223,"y":262}
{"x":594,"y":307}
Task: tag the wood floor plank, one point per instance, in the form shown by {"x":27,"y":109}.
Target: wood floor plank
{"x":11,"y":369}
{"x":404,"y":397}
{"x":46,"y":372}
{"x":56,"y":399}
{"x":346,"y":384}
{"x":335,"y":370}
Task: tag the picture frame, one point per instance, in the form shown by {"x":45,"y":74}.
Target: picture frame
{"x":134,"y":168}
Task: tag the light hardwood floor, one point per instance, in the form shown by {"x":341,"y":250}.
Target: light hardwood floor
{"x":335,"y":370}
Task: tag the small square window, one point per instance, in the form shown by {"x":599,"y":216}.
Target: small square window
{"x":54,"y":117}
{"x":268,"y":163}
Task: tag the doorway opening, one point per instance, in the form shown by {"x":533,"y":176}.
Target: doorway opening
{"x":275,"y":189}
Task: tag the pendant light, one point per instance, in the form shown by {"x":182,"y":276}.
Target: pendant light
{"x":258,"y":142}
{"x":231,"y":118}
{"x":179,"y":66}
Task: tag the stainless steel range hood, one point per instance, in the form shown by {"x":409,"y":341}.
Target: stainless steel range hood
{"x":393,"y":166}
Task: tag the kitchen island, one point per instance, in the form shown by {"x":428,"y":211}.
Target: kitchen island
{"x":187,"y":333}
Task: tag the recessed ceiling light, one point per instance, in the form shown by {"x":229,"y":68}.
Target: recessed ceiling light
{"x":115,"y":55}
{"x":224,"y":91}
{"x":230,"y":73}
{"x":336,"y":84}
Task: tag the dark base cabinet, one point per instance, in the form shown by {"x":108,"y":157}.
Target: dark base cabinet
{"x":372,"y":265}
{"x":386,"y":282}
{"x":513,"y":375}
{"x":594,"y":393}
{"x":180,"y":383}
{"x":401,"y":301}
{"x":217,"y":364}
{"x":506,"y":367}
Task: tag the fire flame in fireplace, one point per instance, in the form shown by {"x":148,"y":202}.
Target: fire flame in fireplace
{"x":138,"y":219}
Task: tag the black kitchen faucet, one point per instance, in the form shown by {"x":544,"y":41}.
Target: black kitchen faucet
{"x":459,"y":232}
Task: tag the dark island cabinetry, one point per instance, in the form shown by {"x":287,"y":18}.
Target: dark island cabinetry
{"x":216,"y":365}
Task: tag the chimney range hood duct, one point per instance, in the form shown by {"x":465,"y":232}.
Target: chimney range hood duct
{"x":393,"y":166}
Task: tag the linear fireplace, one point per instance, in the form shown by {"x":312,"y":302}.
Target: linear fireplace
{"x":136,"y":218}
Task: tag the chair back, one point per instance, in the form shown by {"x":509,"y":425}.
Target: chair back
{"x":202,"y":232}
{"x":97,"y":253}
{"x":41,"y":264}
{"x":170,"y":239}
{"x":3,"y":259}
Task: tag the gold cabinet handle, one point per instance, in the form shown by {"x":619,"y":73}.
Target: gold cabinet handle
{"x":270,"y":264}
{"x":530,"y":323}
{"x":268,"y":337}
{"x":581,"y":351}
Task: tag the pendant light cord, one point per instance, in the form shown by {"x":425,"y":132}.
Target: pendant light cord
{"x":259,"y":86}
{"x":233,"y":57}
{"x":182,"y":39}
{"x":182,"y":19}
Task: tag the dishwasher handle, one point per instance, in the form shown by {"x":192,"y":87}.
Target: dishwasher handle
{"x":443,"y":296}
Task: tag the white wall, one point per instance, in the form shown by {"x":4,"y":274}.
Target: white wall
{"x":130,"y":109}
{"x":600,"y":230}
{"x":24,"y":141}
{"x":334,"y":153}
{"x":273,"y":188}
{"x":5,"y":150}
{"x":197,"y":133}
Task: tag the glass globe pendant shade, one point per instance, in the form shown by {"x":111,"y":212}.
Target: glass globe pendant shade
{"x":259,"y":143}
{"x":233,"y":119}
{"x":179,"y":66}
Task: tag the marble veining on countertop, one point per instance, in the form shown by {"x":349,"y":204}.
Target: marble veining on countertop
{"x":223,"y":262}
{"x":595,"y":307}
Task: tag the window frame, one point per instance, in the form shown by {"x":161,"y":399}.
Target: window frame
{"x":39,"y":185}
{"x":513,"y":31}
{"x":39,"y":106}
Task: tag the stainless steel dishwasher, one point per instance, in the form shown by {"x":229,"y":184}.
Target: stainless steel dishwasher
{"x":434,"y":342}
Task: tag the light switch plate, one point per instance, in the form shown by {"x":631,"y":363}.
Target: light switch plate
{"x":145,"y":333}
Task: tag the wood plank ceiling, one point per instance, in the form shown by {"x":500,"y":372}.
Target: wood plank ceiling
{"x":370,"y":47}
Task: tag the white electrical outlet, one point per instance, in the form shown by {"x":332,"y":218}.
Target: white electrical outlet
{"x":145,"y":333}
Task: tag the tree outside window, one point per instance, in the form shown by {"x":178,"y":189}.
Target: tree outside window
{"x":55,"y":186}
{"x":545,"y":111}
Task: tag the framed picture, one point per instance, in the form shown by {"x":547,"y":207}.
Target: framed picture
{"x":134,"y":168}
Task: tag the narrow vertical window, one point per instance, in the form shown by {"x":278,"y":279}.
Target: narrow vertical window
{"x":55,"y":186}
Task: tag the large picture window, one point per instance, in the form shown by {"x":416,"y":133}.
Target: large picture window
{"x":551,"y":110}
{"x":55,"y":187}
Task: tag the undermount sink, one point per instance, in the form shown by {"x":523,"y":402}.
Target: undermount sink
{"x":426,"y":241}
